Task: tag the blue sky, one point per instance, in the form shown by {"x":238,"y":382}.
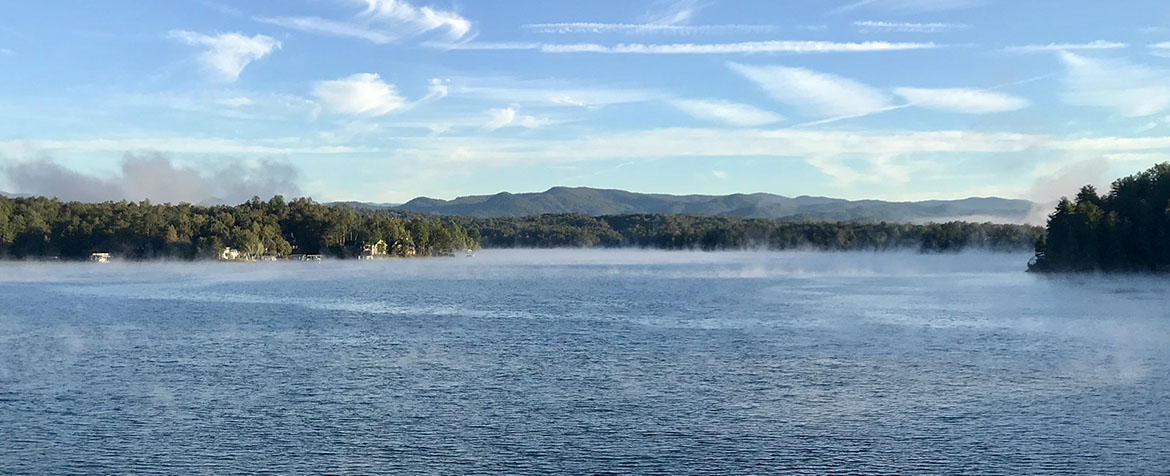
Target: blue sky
{"x":385,"y":100}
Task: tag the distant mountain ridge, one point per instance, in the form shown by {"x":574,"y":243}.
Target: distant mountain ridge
{"x":592,"y":201}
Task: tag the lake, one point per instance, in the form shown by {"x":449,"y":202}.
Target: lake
{"x":583,"y":362}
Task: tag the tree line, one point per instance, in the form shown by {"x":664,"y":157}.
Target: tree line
{"x":1125,"y":230}
{"x":40,"y":227}
{"x":680,"y":232}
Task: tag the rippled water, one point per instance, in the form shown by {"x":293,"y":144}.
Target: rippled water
{"x":583,"y":362}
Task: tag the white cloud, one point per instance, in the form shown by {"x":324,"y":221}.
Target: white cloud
{"x":382,"y":22}
{"x":418,"y":19}
{"x":643,"y":28}
{"x":321,"y":26}
{"x":908,"y":6}
{"x":547,"y":93}
{"x":870,"y":26}
{"x":743,"y":47}
{"x":438,"y":89}
{"x":566,"y":100}
{"x":221,"y":8}
{"x":966,"y":101}
{"x":483,"y":45}
{"x":818,"y":93}
{"x":227,"y":54}
{"x":235,"y":101}
{"x":220,"y":105}
{"x":1128,"y":89}
{"x":508,"y":116}
{"x":676,"y":12}
{"x":32,"y":148}
{"x":362,"y":94}
{"x":1092,"y":45}
{"x":1160,"y":49}
{"x":884,"y":156}
{"x":645,"y":144}
{"x":729,"y":112}
{"x":695,"y":48}
{"x":719,"y":174}
{"x":665,"y":17}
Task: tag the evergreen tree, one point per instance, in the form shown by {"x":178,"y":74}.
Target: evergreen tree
{"x":1125,"y":230}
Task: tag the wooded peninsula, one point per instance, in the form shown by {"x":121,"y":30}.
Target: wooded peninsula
{"x":40,"y":228}
{"x":1125,"y":230}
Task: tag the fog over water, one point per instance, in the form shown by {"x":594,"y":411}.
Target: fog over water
{"x":584,"y":361}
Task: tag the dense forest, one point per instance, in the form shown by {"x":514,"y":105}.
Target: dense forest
{"x":711,"y":233}
{"x":40,"y":227}
{"x":1126,"y":230}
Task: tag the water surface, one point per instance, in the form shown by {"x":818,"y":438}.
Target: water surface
{"x":583,"y":362}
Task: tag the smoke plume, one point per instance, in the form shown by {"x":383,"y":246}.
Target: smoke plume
{"x":158,"y":178}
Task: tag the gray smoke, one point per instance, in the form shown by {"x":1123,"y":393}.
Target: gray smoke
{"x":1066,"y":182}
{"x":158,"y":178}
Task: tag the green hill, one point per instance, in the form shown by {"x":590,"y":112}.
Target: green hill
{"x":592,"y":201}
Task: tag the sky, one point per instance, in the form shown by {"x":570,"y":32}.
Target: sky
{"x":386,"y":100}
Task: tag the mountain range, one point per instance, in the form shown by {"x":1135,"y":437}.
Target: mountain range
{"x":592,"y":201}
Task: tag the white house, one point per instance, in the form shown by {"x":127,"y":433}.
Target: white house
{"x":229,"y":254}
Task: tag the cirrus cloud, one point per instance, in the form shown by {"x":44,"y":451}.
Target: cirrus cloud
{"x":965,"y":101}
{"x":699,"y":48}
{"x":723,"y":111}
{"x":1128,"y":89}
{"x":1092,"y":45}
{"x":817,"y":93}
{"x":382,"y":22}
{"x":418,"y":19}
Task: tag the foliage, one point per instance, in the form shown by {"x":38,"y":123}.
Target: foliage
{"x":41,"y":227}
{"x":1126,"y":230}
{"x":729,"y":233}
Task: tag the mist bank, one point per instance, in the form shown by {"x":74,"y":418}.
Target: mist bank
{"x":715,"y":233}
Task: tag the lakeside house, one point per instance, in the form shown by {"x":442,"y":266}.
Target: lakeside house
{"x":100,"y":257}
{"x":402,"y":249}
{"x":376,"y":250}
{"x":229,"y":254}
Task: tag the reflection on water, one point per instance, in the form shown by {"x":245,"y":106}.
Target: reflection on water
{"x":576,"y":362}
